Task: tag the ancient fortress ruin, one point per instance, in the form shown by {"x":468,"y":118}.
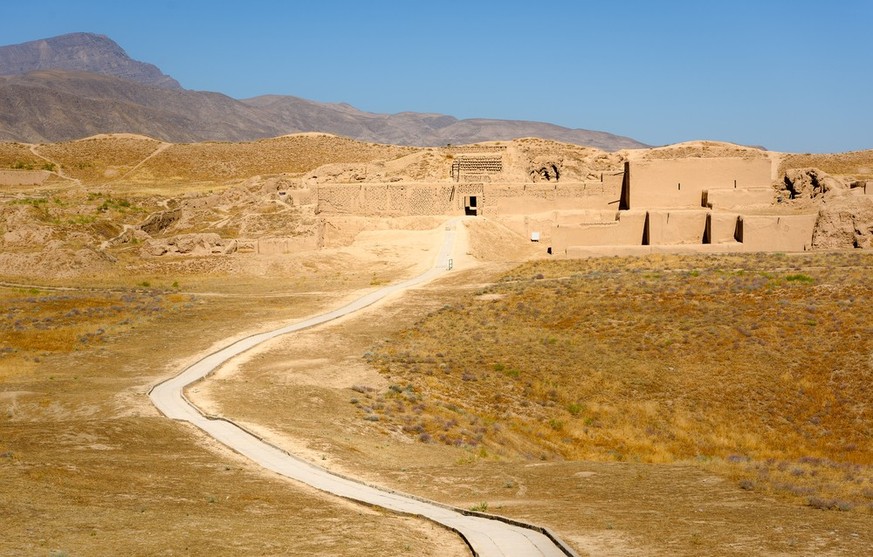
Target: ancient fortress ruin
{"x":640,"y":205}
{"x":521,"y":197}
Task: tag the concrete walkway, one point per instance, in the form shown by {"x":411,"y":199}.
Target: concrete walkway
{"x":487,"y":536}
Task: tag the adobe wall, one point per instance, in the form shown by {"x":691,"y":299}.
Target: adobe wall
{"x":625,"y":229}
{"x":730,"y":198}
{"x":586,"y":216}
{"x":524,"y":225}
{"x":395,"y":199}
{"x":682,"y":229}
{"x":681,"y":182}
{"x":676,"y":227}
{"x":723,"y":228}
{"x":777,"y":233}
{"x":513,"y":199}
{"x":688,"y":204}
{"x":442,"y":198}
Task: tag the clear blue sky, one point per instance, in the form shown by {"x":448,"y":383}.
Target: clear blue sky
{"x":791,"y":75}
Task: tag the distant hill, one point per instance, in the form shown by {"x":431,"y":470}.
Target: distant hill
{"x":424,"y":129}
{"x":84,"y":52}
{"x":55,"y":105}
{"x":82,"y":84}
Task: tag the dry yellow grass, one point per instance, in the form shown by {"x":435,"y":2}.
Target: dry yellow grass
{"x":99,"y":160}
{"x":92,"y":469}
{"x":18,"y":156}
{"x":318,"y":384}
{"x":858,"y":164}
{"x":756,"y":363}
{"x":39,"y":323}
{"x":110,"y":159}
{"x":217,"y":162}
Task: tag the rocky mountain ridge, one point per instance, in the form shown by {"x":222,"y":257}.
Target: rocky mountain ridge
{"x":81,"y":52}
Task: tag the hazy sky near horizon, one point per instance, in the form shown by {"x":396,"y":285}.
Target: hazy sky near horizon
{"x":791,"y":75}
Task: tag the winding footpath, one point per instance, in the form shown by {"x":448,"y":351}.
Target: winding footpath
{"x":486,"y":535}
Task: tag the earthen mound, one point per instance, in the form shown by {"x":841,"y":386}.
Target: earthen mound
{"x":701,"y":149}
{"x":812,"y":183}
{"x":845,"y":217}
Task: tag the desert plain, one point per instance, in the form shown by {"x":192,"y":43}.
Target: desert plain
{"x":676,"y":402}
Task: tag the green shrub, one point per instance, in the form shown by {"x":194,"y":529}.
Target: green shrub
{"x":799,"y":277}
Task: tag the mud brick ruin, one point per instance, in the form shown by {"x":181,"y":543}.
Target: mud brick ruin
{"x":692,"y":204}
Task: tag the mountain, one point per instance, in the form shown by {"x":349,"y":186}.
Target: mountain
{"x":82,"y":84}
{"x":84,"y":52}
{"x":423,"y":129}
{"x":57,"y":105}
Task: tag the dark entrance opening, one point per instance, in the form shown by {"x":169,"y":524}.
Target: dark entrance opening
{"x":471,"y":206}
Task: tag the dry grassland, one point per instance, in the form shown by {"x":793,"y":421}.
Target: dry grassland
{"x":111,"y":159}
{"x":99,"y":160}
{"x":858,"y":164}
{"x":18,"y":156}
{"x":330,"y":404}
{"x":96,"y":471}
{"x":758,"y":367}
{"x":219,"y":162}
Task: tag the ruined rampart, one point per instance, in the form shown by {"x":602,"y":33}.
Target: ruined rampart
{"x":711,"y":204}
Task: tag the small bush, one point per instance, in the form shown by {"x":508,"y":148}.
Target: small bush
{"x":480,"y":508}
{"x":829,"y":504}
{"x":799,"y":277}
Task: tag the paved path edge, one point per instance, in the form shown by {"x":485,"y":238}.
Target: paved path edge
{"x":560,"y":544}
